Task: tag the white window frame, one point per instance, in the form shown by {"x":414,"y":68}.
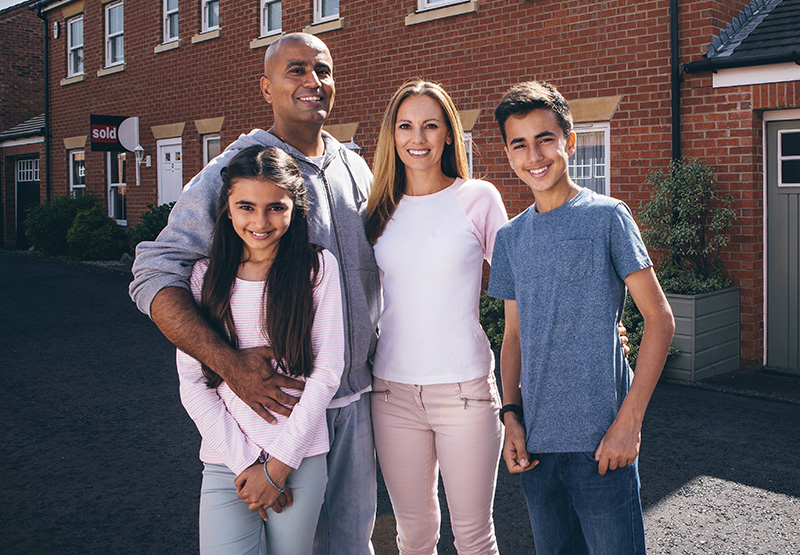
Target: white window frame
{"x":74,"y":51}
{"x":206,"y":140}
{"x":604,"y":128}
{"x":205,"y":10}
{"x":423,"y":5}
{"x":118,"y":185}
{"x":468,"y":149}
{"x":73,"y":187}
{"x":318,"y":15}
{"x":265,"y":28}
{"x":27,"y":170}
{"x":111,"y":37}
{"x":170,"y":15}
{"x":785,"y":158}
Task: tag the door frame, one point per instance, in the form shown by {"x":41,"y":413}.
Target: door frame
{"x":18,"y":218}
{"x":160,"y":144}
{"x":769,"y":116}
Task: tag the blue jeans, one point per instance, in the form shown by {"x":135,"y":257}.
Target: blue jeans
{"x":228,"y":527}
{"x":574,"y":510}
{"x":348,"y":513}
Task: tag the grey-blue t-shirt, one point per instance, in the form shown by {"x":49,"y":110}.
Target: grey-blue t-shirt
{"x":565,"y":269}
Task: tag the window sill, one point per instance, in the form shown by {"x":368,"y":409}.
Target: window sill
{"x":440,"y":13}
{"x":207,"y":35}
{"x":111,"y":70}
{"x":171,"y":45}
{"x":73,"y":79}
{"x":264,"y":41}
{"x":318,"y":28}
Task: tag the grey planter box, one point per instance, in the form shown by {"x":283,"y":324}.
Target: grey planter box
{"x":706,"y":334}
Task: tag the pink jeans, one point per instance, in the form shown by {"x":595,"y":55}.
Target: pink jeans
{"x":422,"y":428}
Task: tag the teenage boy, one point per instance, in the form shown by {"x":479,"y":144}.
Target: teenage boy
{"x":573,"y":414}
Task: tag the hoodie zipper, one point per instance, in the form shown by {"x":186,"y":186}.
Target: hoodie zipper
{"x":346,"y":287}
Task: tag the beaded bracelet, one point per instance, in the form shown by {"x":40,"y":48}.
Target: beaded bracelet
{"x":273,"y":484}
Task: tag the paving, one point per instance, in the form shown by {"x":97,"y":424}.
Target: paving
{"x":98,"y":456}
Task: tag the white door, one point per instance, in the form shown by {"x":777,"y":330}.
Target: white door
{"x":170,"y":170}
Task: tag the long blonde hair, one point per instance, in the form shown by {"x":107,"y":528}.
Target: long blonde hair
{"x":389,"y":184}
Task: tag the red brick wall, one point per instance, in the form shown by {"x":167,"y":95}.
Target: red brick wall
{"x":21,"y":81}
{"x":587,"y":49}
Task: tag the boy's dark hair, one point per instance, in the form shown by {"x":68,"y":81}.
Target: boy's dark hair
{"x":523,"y":98}
{"x":288,"y":297}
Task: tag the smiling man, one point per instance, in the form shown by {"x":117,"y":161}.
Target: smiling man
{"x":298,"y":84}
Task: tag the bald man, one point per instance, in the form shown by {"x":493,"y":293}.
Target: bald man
{"x":298,"y":84}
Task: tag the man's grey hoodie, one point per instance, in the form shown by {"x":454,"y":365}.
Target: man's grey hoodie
{"x":337,"y":195}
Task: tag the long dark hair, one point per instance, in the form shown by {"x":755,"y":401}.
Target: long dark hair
{"x":288,"y":290}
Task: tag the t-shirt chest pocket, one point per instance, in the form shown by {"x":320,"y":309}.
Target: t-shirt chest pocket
{"x":574,"y":259}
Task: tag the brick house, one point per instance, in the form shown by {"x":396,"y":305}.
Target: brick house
{"x":21,"y":122}
{"x":189,"y":70}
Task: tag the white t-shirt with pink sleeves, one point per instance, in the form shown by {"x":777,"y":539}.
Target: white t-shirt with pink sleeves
{"x":233,"y":434}
{"x":431,"y":261}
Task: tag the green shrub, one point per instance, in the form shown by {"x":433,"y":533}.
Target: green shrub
{"x":47,"y":224}
{"x":492,"y":319}
{"x":685,"y":221}
{"x":153,"y":221}
{"x":95,"y":236}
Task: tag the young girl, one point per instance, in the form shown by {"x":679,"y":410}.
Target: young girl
{"x":435,"y":402}
{"x":264,"y":284}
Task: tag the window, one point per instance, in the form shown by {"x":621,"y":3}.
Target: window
{"x":77,"y":173}
{"x":430,"y":4}
{"x":788,"y":158}
{"x":115,"y":46}
{"x":270,"y":17}
{"x":210,"y":15}
{"x":117,"y":186}
{"x":170,"y":20}
{"x":468,"y":148}
{"x":589,"y":166}
{"x":75,"y":46}
{"x":27,"y":170}
{"x":211,"y":148}
{"x":325,"y":10}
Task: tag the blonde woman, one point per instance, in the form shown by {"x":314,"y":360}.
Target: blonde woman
{"x":434,"y":402}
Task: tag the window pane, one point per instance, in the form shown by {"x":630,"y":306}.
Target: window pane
{"x":172,"y":26}
{"x":588,"y":166}
{"x":273,"y":16}
{"x":76,"y":61}
{"x":790,"y":144}
{"x":117,"y":170}
{"x":329,"y":7}
{"x":212,"y":149}
{"x":790,"y":172}
{"x":78,"y":169}
{"x":76,"y":32}
{"x":116,"y":50}
{"x":212,"y":14}
{"x":172,"y":5}
{"x":119,"y":205}
{"x":115,"y":21}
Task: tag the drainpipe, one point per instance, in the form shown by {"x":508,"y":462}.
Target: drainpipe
{"x":39,"y":6}
{"x":675,"y":70}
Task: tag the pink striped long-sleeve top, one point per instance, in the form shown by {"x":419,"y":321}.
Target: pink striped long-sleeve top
{"x":233,"y":434}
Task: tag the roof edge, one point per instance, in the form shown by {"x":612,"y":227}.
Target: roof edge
{"x":715,"y":64}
